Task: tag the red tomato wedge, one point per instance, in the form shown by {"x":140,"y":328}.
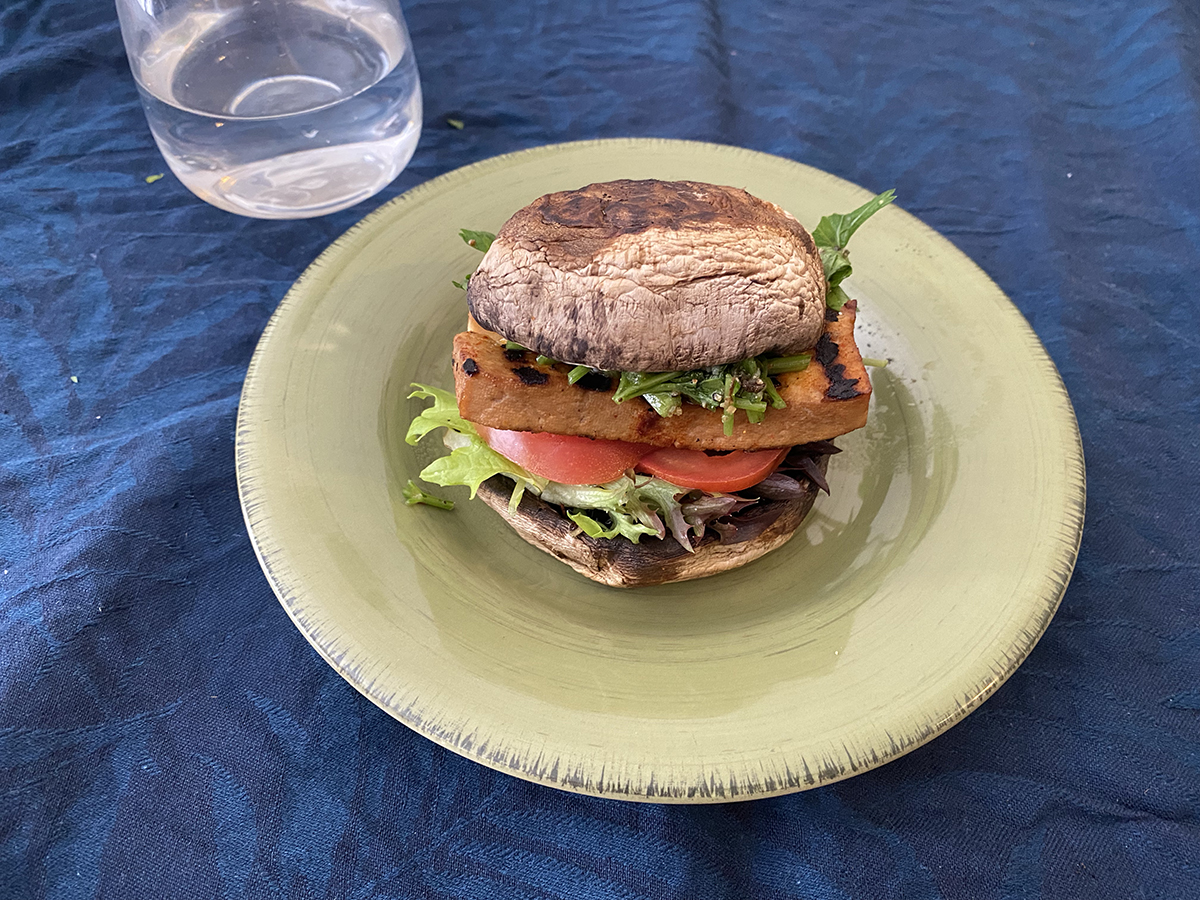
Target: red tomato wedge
{"x":696,"y":469}
{"x":565,"y":458}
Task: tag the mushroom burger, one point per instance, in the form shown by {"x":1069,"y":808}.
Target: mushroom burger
{"x":651,"y":375}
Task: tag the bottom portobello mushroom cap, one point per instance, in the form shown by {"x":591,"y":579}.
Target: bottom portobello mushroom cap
{"x":618,"y":562}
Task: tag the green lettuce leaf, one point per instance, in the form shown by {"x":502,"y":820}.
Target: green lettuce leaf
{"x":443,"y":414}
{"x":471,"y":462}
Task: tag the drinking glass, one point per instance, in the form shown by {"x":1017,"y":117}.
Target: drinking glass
{"x":279,"y":109}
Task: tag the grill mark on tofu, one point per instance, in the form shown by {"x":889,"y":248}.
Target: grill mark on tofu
{"x":529,"y":375}
{"x":840,"y":387}
{"x":843,"y":389}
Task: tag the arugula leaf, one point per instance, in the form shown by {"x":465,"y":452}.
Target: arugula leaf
{"x":836,"y":298}
{"x":831,"y":236}
{"x":836,"y":265}
{"x":664,"y":403}
{"x":635,"y":384}
{"x":480,"y":240}
{"x":772,"y":394}
{"x":742,"y":385}
{"x":836,"y":230}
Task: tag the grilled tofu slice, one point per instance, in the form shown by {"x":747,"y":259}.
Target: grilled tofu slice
{"x":509,"y":389}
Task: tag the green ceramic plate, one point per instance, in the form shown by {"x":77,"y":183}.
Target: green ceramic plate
{"x":907,"y":597}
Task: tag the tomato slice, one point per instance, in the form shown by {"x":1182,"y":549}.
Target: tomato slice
{"x":696,"y":469}
{"x":565,"y":458}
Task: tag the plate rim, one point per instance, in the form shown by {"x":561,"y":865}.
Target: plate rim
{"x":1055,"y":578}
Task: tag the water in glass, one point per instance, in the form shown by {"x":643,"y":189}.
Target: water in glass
{"x":280,"y":109}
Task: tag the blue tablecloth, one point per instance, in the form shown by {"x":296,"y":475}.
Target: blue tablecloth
{"x":165,"y":732}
